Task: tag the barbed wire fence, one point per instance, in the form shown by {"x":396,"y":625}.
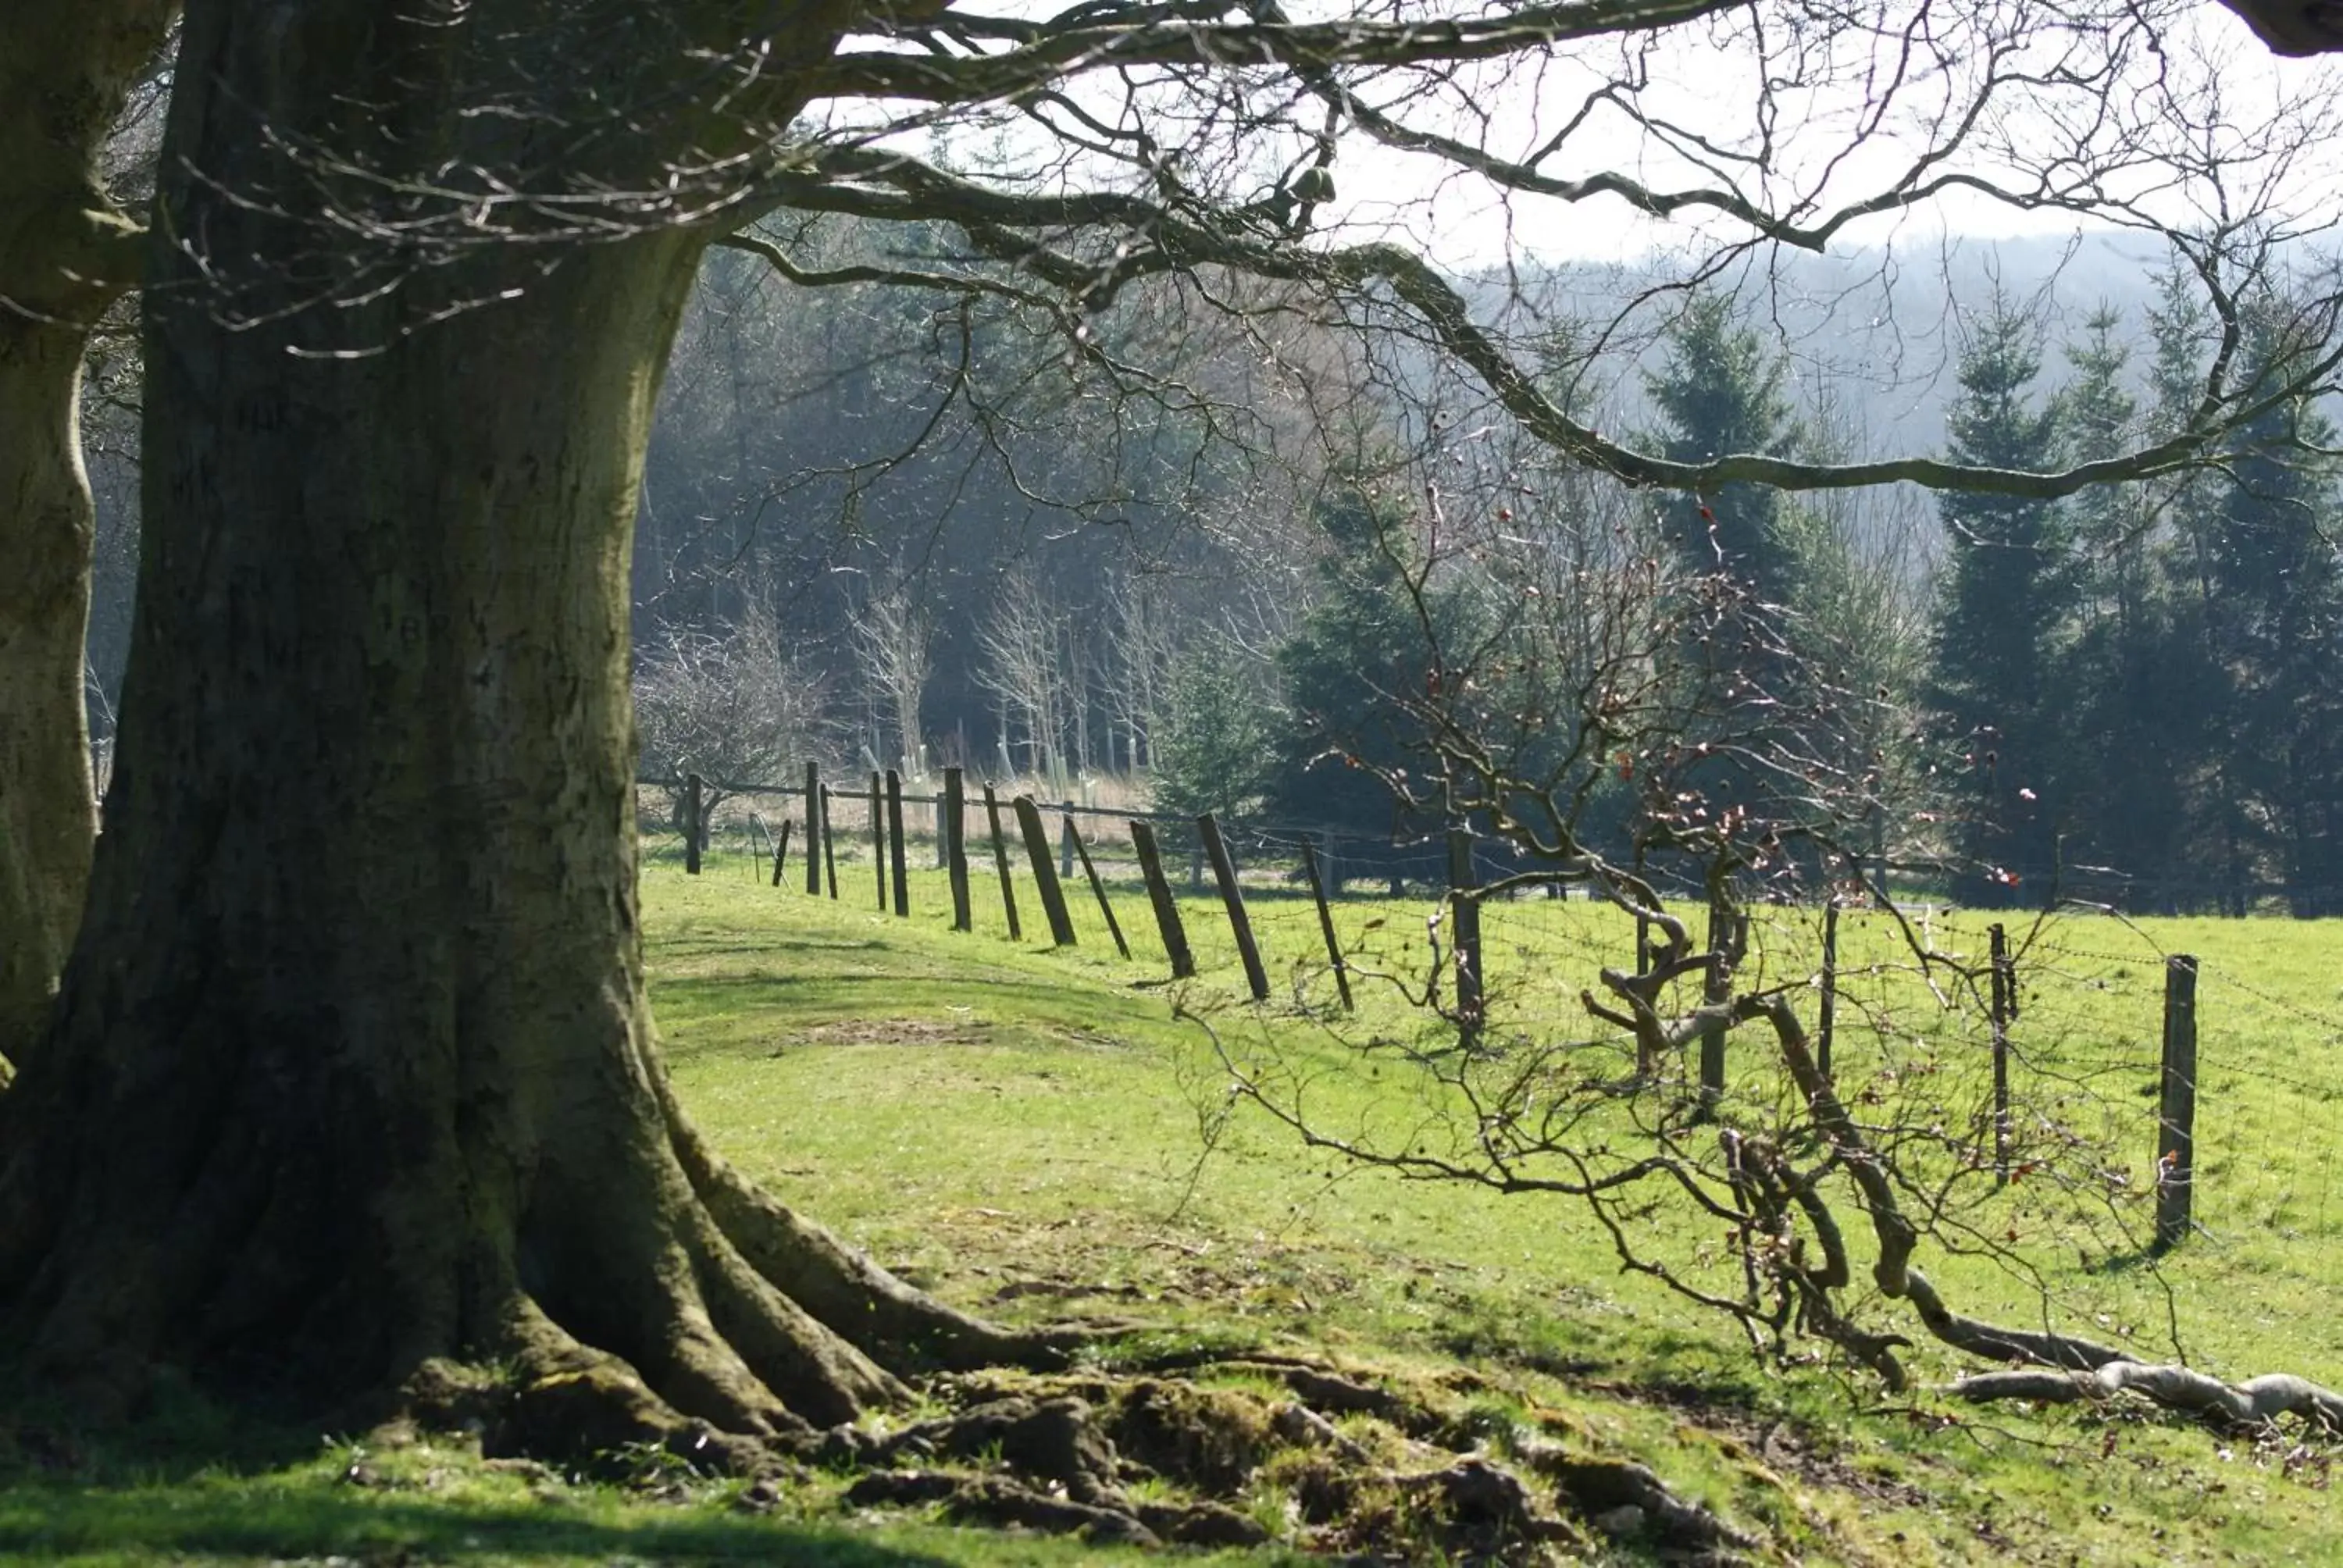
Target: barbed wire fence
{"x":2062,"y":1023}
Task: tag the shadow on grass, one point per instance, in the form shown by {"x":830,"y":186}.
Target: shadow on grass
{"x":271,"y":1520}
{"x":817,"y":998}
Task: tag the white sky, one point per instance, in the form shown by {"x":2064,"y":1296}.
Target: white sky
{"x":1463,"y":222}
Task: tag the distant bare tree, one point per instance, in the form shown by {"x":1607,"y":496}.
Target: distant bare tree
{"x":728,"y":705}
{"x":894,"y":641}
{"x":1024,"y":670}
{"x":1140,"y":645}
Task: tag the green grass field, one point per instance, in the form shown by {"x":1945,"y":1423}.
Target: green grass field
{"x":1022,"y":1129}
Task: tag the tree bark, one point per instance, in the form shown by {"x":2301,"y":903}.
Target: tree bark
{"x":352,"y":1071}
{"x":64,"y":255}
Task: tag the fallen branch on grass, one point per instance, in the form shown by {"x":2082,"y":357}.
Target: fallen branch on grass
{"x":2254,"y":1403}
{"x":2071,"y":1369}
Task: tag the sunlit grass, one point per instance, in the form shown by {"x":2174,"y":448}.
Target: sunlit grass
{"x":1037,"y":1120}
{"x":1026,"y":1132}
{"x":2243,"y":1296}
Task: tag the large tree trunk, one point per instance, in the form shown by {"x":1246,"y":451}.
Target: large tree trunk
{"x":47,"y":816}
{"x":352,"y":1068}
{"x":64,"y":255}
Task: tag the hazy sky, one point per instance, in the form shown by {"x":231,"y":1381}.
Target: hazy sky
{"x":1822,"y":145}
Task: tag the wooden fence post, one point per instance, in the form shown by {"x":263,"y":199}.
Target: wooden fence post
{"x":1829,"y":1009}
{"x":1066,"y":840}
{"x":691,"y":824}
{"x":895,"y":844}
{"x":2004,"y":1008}
{"x":1098,"y":889}
{"x":954,"y":840}
{"x":1879,"y":852}
{"x":2176,"y":1133}
{"x":1225,"y":870}
{"x":1159,"y":893}
{"x":1465,"y":924}
{"x":1723,"y":927}
{"x":1327,"y":922}
{"x":781,"y":851}
{"x":829,"y":845}
{"x":878,"y":840}
{"x":1000,"y":860}
{"x":813,"y":828}
{"x":1045,"y":875}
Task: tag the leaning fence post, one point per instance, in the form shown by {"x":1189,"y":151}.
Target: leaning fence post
{"x":1829,"y":1009}
{"x":1464,"y":922}
{"x":1045,"y":875}
{"x":953,"y":838}
{"x":878,"y":840}
{"x":1327,"y":922}
{"x":781,"y":851}
{"x":1113,"y":926}
{"x":813,"y":828}
{"x":2004,"y":1008}
{"x":1159,"y":893}
{"x":829,"y":844}
{"x":895,"y":843}
{"x":1225,"y":870}
{"x":2175,"y":1134}
{"x":691,"y":824}
{"x":1000,"y":860}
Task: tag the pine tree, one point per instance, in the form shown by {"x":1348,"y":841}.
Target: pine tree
{"x":2273,"y":631}
{"x":1721,"y":392}
{"x":2132,"y":753}
{"x":1209,"y":752}
{"x":2214,"y":855}
{"x":1356,"y":675}
{"x":2003,"y":618}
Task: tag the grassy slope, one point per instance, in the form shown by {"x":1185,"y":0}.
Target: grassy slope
{"x":1019,"y":1129}
{"x":1036,"y":1117}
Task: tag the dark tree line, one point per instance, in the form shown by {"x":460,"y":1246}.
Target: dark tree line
{"x":2142,"y":688}
{"x":2129,"y":694}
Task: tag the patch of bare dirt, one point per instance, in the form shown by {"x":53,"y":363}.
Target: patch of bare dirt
{"x":888,"y":1031}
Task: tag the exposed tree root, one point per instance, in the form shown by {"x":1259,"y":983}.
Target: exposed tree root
{"x":905,"y":1328}
{"x":1065,"y":1452}
{"x":632,"y":1287}
{"x":584,"y":1282}
{"x":750,"y":1333}
{"x":1627,"y":1501}
{"x":988,"y":1500}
